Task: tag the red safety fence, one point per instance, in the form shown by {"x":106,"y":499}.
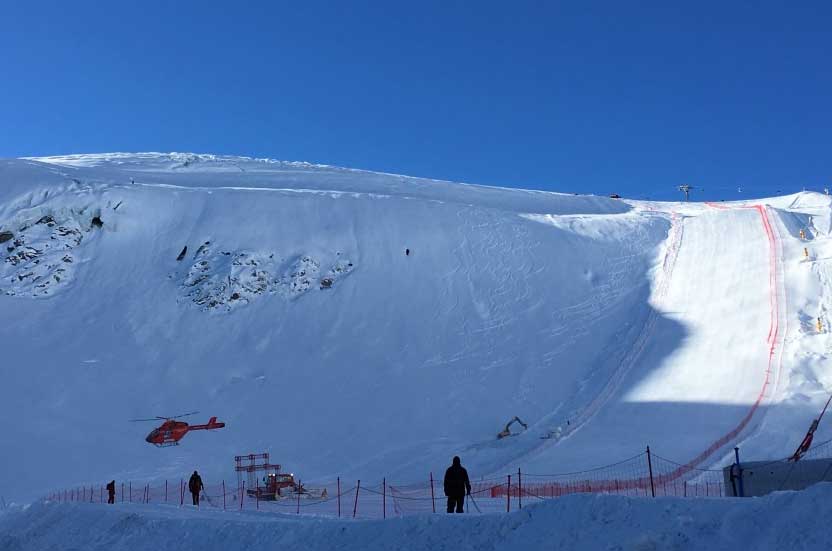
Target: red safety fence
{"x":645,"y":475}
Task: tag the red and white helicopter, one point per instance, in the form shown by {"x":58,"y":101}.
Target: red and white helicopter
{"x":171,"y":431}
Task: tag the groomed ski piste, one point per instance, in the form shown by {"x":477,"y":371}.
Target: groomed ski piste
{"x":296,"y":317}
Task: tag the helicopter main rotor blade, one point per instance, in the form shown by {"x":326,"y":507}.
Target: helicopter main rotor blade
{"x":182,"y":415}
{"x":160,"y":418}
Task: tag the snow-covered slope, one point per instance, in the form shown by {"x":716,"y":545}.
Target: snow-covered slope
{"x":786,"y":520}
{"x":295,"y":316}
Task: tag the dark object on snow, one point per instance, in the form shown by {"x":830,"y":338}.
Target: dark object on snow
{"x":48,"y":220}
{"x":111,"y":491}
{"x":507,"y":431}
{"x":326,"y":283}
{"x":615,"y":196}
{"x":195,"y":486}
{"x":5,"y":236}
{"x":202,"y":248}
{"x":456,"y":486}
{"x":182,"y":254}
{"x":96,"y":222}
{"x":407,"y":252}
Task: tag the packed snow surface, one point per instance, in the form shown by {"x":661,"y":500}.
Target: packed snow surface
{"x":787,"y":520}
{"x":279,"y":297}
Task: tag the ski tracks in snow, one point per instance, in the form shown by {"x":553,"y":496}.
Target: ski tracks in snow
{"x":778,"y":328}
{"x":552,"y":436}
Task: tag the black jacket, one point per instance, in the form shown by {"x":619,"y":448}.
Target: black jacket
{"x":456,"y":480}
{"x":195,"y":484}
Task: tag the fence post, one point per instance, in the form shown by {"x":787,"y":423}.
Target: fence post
{"x":257,"y":492}
{"x":355,"y":507}
{"x":166,"y":490}
{"x":297,"y":512}
{"x":339,"y":497}
{"x":101,"y":494}
{"x":432,"y":496}
{"x":130,"y":488}
{"x":242,"y":494}
{"x":519,"y":490}
{"x":508,"y":496}
{"x":384,"y":497}
{"x":685,"y":488}
{"x":739,"y":470}
{"x":650,"y":470}
{"x":223,"y":493}
{"x":181,"y":492}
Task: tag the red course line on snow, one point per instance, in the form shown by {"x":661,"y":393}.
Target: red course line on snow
{"x":773,"y":334}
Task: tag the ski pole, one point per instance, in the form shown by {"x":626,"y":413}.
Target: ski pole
{"x":471,"y":499}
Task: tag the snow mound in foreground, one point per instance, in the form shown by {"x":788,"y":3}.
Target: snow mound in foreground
{"x":787,"y":520}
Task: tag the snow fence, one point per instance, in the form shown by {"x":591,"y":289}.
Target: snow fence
{"x":645,"y":475}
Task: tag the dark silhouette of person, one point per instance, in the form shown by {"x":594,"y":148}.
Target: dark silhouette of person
{"x":456,"y":486}
{"x":111,"y":491}
{"x":407,"y":252}
{"x":195,"y":486}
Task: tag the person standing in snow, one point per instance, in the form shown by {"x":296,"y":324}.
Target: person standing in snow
{"x":111,"y":491}
{"x":456,"y":486}
{"x":195,"y":486}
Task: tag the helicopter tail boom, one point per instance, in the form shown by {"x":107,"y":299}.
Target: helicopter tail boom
{"x":210,"y":425}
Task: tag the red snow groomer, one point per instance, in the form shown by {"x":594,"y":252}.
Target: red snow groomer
{"x":265,"y":482}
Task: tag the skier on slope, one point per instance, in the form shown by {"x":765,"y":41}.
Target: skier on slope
{"x":195,"y":486}
{"x":456,"y":486}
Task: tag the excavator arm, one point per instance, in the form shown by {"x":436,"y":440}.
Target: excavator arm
{"x":507,"y":431}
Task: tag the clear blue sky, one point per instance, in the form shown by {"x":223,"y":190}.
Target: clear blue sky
{"x":627,"y":97}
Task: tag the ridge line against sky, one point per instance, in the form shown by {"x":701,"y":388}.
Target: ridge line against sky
{"x":593,"y":98}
